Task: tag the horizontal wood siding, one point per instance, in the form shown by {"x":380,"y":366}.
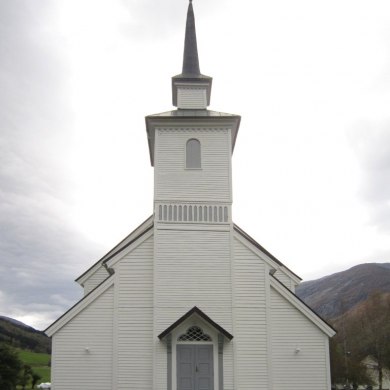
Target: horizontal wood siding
{"x":306,"y":369}
{"x":75,"y":368}
{"x":134,"y":362}
{"x":95,"y":279}
{"x":192,"y":268}
{"x":285,"y":279}
{"x":173,"y":182}
{"x":250,"y":331}
{"x":191,"y":98}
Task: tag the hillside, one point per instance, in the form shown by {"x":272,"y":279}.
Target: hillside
{"x":338,"y":293}
{"x":21,"y":336}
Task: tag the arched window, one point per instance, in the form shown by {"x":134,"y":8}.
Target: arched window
{"x":193,"y":160}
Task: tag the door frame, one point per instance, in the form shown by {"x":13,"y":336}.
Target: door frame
{"x":181,"y":329}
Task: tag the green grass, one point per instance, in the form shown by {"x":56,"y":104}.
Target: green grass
{"x":44,"y":372}
{"x":38,"y":362}
{"x":34,"y":358}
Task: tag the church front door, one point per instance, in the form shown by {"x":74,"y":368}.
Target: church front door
{"x":195,"y":367}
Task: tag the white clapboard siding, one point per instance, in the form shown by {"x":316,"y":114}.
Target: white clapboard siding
{"x":306,"y":369}
{"x":95,"y":279}
{"x":134,"y":309}
{"x":192,"y":98}
{"x":192,"y":268}
{"x":285,"y":279}
{"x":74,"y":367}
{"x":174,"y":182}
{"x":249,"y":308}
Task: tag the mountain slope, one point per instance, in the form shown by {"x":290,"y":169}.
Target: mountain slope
{"x":22,"y":336}
{"x":335,"y":294}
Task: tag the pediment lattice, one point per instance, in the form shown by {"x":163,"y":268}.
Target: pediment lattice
{"x":194,"y":333}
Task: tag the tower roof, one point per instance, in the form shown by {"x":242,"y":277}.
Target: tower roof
{"x":191,"y":71}
{"x":190,"y":56}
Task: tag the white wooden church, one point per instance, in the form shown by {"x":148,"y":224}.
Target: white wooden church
{"x":188,"y":300}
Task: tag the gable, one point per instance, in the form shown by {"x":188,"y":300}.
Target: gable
{"x":132,"y":251}
{"x":291,"y":308}
{"x":195,"y":311}
{"x":80,"y":306}
{"x":97,"y":277}
{"x":276,"y":267}
{"x":128,"y":240}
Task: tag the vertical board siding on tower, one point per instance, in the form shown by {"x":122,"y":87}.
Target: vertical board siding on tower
{"x":250,"y":330}
{"x":92,"y":328}
{"x":192,"y":268}
{"x":306,"y":369}
{"x":134,"y":274}
{"x":95,"y":279}
{"x":210,"y":183}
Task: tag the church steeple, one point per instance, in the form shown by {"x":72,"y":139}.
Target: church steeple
{"x":191,"y":89}
{"x":190,"y":57}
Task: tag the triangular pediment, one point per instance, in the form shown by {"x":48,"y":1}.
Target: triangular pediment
{"x":201,"y":314}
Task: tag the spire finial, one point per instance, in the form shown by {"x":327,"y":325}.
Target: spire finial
{"x":190,"y":57}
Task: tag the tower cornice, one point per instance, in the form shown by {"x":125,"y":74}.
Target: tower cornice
{"x":190,"y":119}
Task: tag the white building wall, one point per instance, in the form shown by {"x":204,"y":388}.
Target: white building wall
{"x":192,"y":97}
{"x":299,"y":349}
{"x":95,"y":279}
{"x":74,"y":367}
{"x":211,"y":183}
{"x":250,"y":319}
{"x":228,"y":365}
{"x":133,"y":365}
{"x":285,"y":279}
{"x":192,"y":268}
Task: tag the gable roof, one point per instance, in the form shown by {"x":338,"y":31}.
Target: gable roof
{"x":200,"y":313}
{"x":79,"y":306}
{"x":262,"y":249}
{"x":302,"y":307}
{"x":128,"y":240}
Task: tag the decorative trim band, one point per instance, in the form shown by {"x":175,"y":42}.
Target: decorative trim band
{"x":193,"y":213}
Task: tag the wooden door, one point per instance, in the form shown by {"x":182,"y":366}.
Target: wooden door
{"x":195,"y":369}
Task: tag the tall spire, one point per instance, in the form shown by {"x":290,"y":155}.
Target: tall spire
{"x":191,"y":89}
{"x":190,"y":57}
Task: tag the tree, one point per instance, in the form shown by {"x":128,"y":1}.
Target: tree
{"x":346,"y":367}
{"x":25,"y":376}
{"x":367,"y":329}
{"x":10,"y":366}
{"x":34,"y":379}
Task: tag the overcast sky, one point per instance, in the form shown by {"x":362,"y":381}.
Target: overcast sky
{"x":311,"y":80}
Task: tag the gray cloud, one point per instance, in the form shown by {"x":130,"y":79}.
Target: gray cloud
{"x":371,"y":142}
{"x":39,"y":253}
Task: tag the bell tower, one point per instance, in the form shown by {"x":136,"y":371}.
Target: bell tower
{"x":190,"y":148}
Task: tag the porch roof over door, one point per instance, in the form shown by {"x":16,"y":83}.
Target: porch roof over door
{"x":200,"y":313}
